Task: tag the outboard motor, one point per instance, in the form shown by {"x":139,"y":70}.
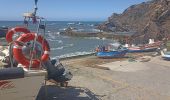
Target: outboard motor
{"x":57,"y":72}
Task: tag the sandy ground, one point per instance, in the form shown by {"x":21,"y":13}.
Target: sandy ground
{"x":102,"y":79}
{"x":127,"y":80}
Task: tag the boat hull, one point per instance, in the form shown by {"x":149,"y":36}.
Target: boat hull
{"x":111,"y":54}
{"x":21,"y":89}
{"x":141,"y":50}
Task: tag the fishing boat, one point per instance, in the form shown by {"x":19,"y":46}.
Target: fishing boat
{"x":27,"y":65}
{"x":110,"y":51}
{"x":151,"y":47}
{"x":140,"y":49}
{"x":112,"y":54}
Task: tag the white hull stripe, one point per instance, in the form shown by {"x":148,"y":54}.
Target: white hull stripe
{"x":13,"y":30}
{"x":46,"y":52}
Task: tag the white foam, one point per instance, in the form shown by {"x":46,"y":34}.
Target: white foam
{"x":63,"y":29}
{"x":58,"y":33}
{"x":51,"y":36}
{"x":70,"y":23}
{"x":92,"y":38}
{"x":51,"y":24}
{"x":95,"y":30}
{"x":66,"y":37}
{"x":53,"y":40}
{"x":69,"y":45}
{"x":59,"y":48}
{"x":62,"y":47}
{"x":74,"y":54}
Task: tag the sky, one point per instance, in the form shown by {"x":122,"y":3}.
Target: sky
{"x":65,"y":10}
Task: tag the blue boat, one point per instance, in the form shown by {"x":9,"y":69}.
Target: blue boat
{"x":112,"y":54}
{"x":3,"y":31}
{"x":110,"y":51}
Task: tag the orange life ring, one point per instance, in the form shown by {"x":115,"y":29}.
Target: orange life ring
{"x":17,"y":50}
{"x":11,"y":32}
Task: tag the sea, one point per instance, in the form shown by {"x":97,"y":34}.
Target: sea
{"x":66,"y":46}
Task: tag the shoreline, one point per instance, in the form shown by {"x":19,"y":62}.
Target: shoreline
{"x":101,"y":35}
{"x":93,"y":61}
{"x":77,"y":56}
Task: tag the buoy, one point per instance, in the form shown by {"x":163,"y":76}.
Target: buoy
{"x":11,"y":32}
{"x":19,"y":56}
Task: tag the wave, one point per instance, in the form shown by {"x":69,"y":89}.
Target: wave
{"x":59,"y":48}
{"x":74,"y":54}
{"x":53,"y":40}
{"x":63,"y":29}
{"x":66,"y":37}
{"x":62,"y":47}
{"x":95,"y":30}
{"x":70,"y":23}
{"x":51,"y":24}
{"x":50,"y":36}
{"x":95,"y":38}
{"x":69,"y":45}
{"x":58,"y":33}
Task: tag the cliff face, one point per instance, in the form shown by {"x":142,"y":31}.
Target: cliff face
{"x":149,"y":20}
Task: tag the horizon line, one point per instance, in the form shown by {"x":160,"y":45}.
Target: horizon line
{"x":64,"y":20}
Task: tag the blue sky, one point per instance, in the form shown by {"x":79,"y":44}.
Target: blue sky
{"x":64,"y":10}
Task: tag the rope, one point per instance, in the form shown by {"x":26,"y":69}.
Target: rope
{"x":43,"y":40}
{"x":38,"y":29}
{"x":32,"y":50}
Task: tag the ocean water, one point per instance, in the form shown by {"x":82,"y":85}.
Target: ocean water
{"x":65,"y":46}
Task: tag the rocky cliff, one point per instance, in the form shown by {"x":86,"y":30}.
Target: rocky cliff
{"x":149,"y":19}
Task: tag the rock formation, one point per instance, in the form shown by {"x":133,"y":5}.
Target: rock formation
{"x":149,"y":19}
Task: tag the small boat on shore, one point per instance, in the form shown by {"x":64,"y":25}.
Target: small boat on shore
{"x":110,"y":51}
{"x":151,"y":47}
{"x":112,"y":54}
{"x":140,"y":49}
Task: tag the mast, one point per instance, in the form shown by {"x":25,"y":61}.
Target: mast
{"x":31,"y":15}
{"x":35,"y":7}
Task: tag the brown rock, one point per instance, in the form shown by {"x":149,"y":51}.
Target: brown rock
{"x":149,"y":20}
